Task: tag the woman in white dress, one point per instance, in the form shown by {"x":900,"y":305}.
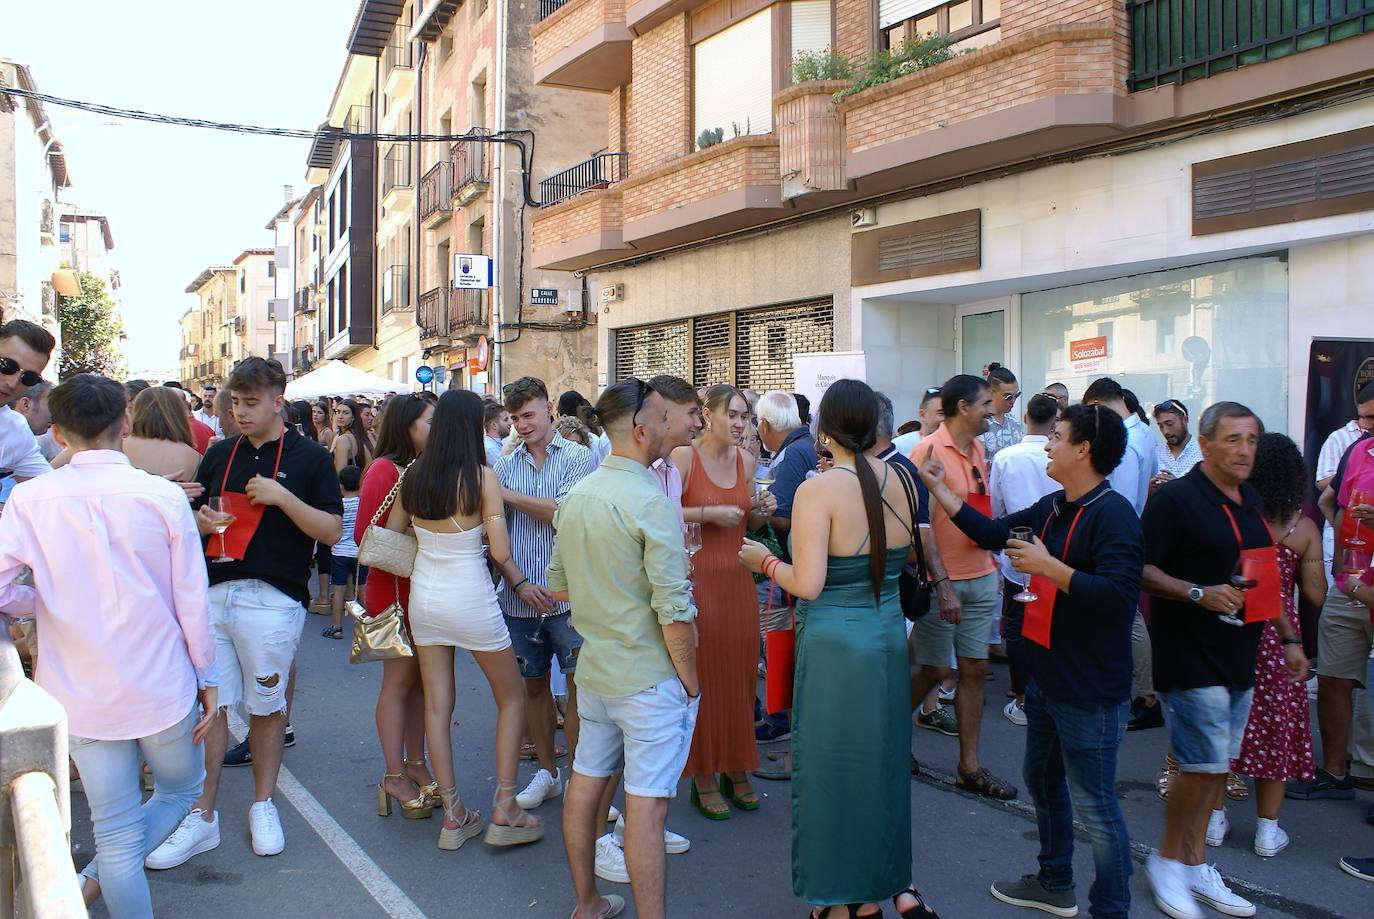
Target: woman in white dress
{"x":451,"y":497}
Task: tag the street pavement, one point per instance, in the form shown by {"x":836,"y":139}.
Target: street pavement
{"x":344,"y":862}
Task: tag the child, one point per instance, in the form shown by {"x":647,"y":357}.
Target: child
{"x":344,"y":567}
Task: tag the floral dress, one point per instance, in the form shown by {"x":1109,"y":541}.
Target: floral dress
{"x":1278,"y":736}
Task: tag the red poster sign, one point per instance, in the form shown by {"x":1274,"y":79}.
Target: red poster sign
{"x":1087,"y":349}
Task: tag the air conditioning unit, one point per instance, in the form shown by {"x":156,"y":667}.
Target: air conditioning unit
{"x":863,"y":218}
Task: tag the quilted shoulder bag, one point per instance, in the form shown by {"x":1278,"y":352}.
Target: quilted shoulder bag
{"x":388,"y":550}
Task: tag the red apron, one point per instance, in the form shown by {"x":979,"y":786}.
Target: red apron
{"x":1039,"y":613}
{"x":1263,"y":601}
{"x":247,"y":515}
{"x":780,"y":650}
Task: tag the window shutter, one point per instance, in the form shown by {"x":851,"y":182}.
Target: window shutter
{"x":733,"y":78}
{"x":810,"y":25}
{"x":891,"y":12}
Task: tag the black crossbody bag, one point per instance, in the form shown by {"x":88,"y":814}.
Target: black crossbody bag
{"x":913,"y":586}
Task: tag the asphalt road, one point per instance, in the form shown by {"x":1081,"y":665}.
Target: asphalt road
{"x":344,"y":862}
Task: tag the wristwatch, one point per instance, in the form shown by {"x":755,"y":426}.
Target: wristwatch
{"x":1195,"y":594}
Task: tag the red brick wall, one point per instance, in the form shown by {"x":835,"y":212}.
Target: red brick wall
{"x":660,"y":110}
{"x":570,"y":23}
{"x":738,"y":163}
{"x":587,"y":213}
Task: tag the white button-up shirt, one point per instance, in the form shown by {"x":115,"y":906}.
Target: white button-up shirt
{"x":1182,"y":464}
{"x":19,"y":453}
{"x":1138,"y":465}
{"x":119,"y":595}
{"x":1337,"y":442}
{"x":1018,"y":480}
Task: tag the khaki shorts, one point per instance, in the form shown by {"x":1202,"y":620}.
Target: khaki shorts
{"x":1344,"y":637}
{"x":934,"y":637}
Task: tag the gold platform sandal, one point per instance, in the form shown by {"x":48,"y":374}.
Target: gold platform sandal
{"x":416,"y":808}
{"x":469,"y":825}
{"x":429,"y":792}
{"x":524,"y":828}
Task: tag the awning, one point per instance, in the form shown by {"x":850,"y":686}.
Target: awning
{"x":66,"y":283}
{"x":335,"y":378}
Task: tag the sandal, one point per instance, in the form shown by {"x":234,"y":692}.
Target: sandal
{"x":746,"y":799}
{"x":332,"y":631}
{"x":527,"y":751}
{"x":429,"y":791}
{"x":523,"y":827}
{"x":710,"y":809}
{"x":1236,"y":789}
{"x":921,"y":910}
{"x":985,"y":783}
{"x":1165,"y":777}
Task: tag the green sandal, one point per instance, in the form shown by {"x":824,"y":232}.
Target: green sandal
{"x":727,"y":790}
{"x":706,"y":810}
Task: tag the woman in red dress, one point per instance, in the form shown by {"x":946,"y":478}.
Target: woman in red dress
{"x":1277,"y":746}
{"x":401,"y":700}
{"x":718,"y":494}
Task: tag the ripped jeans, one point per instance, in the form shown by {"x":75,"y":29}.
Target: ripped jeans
{"x":257,"y":630}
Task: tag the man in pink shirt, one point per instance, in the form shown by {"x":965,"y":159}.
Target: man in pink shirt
{"x":119,"y":599}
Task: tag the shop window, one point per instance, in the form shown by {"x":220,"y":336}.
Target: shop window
{"x":1200,"y":334}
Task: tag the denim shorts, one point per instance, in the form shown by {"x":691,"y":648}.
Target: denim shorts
{"x":342,"y":570}
{"x":1206,"y":726}
{"x":536,"y":639}
{"x":257,"y":630}
{"x":649,"y":732}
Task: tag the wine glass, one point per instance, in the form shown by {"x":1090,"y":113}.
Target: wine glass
{"x":221,"y":518}
{"x":691,"y":538}
{"x":763,"y":479}
{"x":1245,"y":576}
{"x":1357,"y":497}
{"x":1025,"y":594}
{"x":1354,"y":566}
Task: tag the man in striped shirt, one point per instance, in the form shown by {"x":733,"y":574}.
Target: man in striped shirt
{"x":535,"y":479}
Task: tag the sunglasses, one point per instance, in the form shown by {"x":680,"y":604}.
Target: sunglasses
{"x":932,"y":390}
{"x":641,"y":393}
{"x":1172,"y":405}
{"x":1011,"y":396}
{"x":978,"y":480}
{"x":9,"y":367}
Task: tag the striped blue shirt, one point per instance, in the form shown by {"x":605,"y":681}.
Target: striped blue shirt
{"x":531,"y":540}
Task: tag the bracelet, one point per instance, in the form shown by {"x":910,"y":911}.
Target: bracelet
{"x":1292,"y":641}
{"x":936,"y":582}
{"x":522,"y":583}
{"x":767,"y":571}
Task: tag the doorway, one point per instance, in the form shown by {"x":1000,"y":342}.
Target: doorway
{"x":980,"y":336}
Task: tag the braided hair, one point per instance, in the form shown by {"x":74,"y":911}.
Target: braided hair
{"x":849,"y":416}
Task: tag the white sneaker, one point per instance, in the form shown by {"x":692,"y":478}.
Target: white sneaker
{"x":613,"y":814}
{"x":1015,"y":712}
{"x":192,"y":836}
{"x":947,"y":695}
{"x":540,"y":789}
{"x":265,"y":827}
{"x":1270,"y":838}
{"x":673,"y":844}
{"x":1217,"y":827}
{"x":1169,"y":884}
{"x":1207,"y":885}
{"x":610,"y":861}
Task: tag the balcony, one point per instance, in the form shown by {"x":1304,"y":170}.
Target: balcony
{"x":470,"y":169}
{"x":598,"y":172}
{"x":582,"y":44}
{"x":396,"y":289}
{"x":579,"y":232}
{"x":448,"y":315}
{"x":436,"y":194}
{"x":358,"y":119}
{"x":729,"y":186}
{"x":1173,"y":41}
{"x":305,"y":301}
{"x":398,"y":68}
{"x":395,"y":173}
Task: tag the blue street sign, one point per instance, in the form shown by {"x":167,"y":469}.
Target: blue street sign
{"x":424,"y":374}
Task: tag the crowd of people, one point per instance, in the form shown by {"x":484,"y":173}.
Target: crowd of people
{"x":618,"y":570}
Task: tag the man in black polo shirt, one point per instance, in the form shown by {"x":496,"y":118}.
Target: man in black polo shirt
{"x":1196,"y":528}
{"x":257,"y":600}
{"x":1084,"y":561}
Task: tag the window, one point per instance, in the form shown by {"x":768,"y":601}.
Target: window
{"x":810,"y":26}
{"x":64,"y":232}
{"x":272,"y":269}
{"x":732,"y":75}
{"x":243,"y":282}
{"x":967,"y":21}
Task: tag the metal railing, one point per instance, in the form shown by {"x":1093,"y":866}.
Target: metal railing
{"x":1173,"y":41}
{"x":396,"y":168}
{"x":396,"y":288}
{"x":436,"y":190}
{"x":398,"y":55}
{"x":470,"y":168}
{"x":432,"y":314}
{"x":467,"y":309}
{"x":305,"y":300}
{"x":548,"y":7}
{"x":37,"y":878}
{"x":446,"y":311}
{"x":598,"y":172}
{"x":358,"y":119}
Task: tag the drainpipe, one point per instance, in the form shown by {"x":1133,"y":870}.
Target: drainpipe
{"x":499,"y":199}
{"x":417,"y":229}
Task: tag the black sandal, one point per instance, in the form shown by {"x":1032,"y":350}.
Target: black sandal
{"x":332,"y":632}
{"x":851,"y":912}
{"x":985,"y":783}
{"x":921,"y":910}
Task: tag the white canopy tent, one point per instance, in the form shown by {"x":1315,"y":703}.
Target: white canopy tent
{"x":335,"y":378}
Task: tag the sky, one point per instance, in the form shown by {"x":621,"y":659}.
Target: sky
{"x":180,"y":199}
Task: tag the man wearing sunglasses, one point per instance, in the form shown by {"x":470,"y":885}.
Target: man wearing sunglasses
{"x":25,"y":349}
{"x":1179,"y":452}
{"x":1004,"y":429}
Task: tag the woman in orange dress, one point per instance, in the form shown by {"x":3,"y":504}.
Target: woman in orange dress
{"x":719,"y":494}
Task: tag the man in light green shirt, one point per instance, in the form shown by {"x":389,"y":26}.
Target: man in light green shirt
{"x":618,"y":556}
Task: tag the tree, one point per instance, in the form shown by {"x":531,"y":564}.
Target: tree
{"x":91,"y":331}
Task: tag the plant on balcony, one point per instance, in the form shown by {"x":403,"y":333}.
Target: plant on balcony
{"x":908,"y":57}
{"x":709,"y":137}
{"x":821,"y":65}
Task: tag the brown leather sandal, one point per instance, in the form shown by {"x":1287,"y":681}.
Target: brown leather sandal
{"x":985,"y":783}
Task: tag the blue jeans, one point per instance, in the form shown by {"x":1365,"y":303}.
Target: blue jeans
{"x":1013,"y":617}
{"x":1070,"y":767}
{"x":536,"y":639}
{"x":126,"y":827}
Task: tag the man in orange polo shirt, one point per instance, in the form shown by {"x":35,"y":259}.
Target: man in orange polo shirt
{"x":972,"y":575}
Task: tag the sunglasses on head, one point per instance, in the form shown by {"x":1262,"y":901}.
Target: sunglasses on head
{"x":641,"y":393}
{"x":932,"y":390}
{"x":1172,"y":405}
{"x":1011,"y":396}
{"x":9,"y":367}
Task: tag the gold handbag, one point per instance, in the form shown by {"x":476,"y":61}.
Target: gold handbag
{"x":382,"y":637}
{"x":385,"y":549}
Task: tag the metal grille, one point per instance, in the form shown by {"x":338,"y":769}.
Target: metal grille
{"x":766,"y":339}
{"x":711,"y":351}
{"x":1299,"y":181}
{"x":651,"y":349}
{"x":929,"y":248}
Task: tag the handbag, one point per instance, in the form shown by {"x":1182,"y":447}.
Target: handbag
{"x":913,"y":584}
{"x":382,"y":637}
{"x":780,"y":651}
{"x":388,"y":550}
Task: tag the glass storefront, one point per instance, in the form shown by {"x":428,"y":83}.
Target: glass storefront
{"x":1199,"y":334}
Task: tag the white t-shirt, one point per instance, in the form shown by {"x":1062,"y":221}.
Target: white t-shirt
{"x":907,"y":442}
{"x":19,"y":453}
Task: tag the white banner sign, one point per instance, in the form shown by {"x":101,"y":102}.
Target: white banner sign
{"x":815,"y":372}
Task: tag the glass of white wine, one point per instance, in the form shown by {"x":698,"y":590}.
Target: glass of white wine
{"x":221,"y":518}
{"x":691,"y":538}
